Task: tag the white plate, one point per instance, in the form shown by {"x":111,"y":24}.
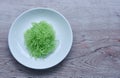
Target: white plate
{"x":23,"y":22}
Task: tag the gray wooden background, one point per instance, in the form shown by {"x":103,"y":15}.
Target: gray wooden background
{"x":96,"y":46}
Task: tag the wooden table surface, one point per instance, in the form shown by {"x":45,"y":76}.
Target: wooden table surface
{"x":95,"y":52}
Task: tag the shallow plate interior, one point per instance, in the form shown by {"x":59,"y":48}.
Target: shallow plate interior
{"x":23,"y":22}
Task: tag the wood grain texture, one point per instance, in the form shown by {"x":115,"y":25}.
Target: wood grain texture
{"x":96,"y":46}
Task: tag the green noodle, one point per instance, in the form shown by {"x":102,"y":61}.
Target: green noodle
{"x":40,"y":39}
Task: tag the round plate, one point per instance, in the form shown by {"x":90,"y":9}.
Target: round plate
{"x":23,"y":22}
